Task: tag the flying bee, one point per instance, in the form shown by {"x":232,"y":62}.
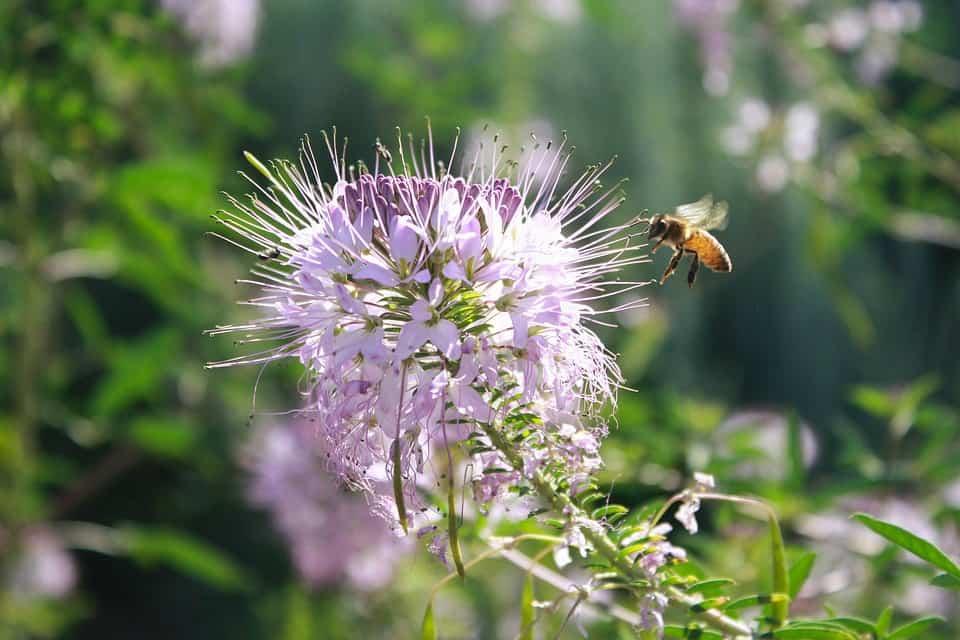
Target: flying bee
{"x":686,"y":231}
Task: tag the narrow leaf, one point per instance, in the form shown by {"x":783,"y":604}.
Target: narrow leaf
{"x":800,"y":571}
{"x":916,"y":545}
{"x":527,"y":614}
{"x":781,"y":580}
{"x":946,"y":581}
{"x":759,"y":599}
{"x":709,"y":585}
{"x":855,"y":624}
{"x":912,"y":629}
{"x":428,"y":631}
{"x":883,"y":622}
{"x":813,"y":633}
{"x":691,"y":632}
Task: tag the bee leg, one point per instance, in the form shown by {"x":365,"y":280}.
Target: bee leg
{"x":674,"y":261}
{"x":657,"y":246}
{"x":694,"y":267}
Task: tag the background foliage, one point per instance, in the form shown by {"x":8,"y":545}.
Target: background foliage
{"x":821,"y":375}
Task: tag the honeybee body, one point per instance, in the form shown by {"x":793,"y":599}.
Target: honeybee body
{"x":686,"y":233}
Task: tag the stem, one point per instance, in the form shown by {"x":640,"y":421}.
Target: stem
{"x":562,"y":503}
{"x":452,"y":527}
{"x":505,"y":544}
{"x":397,"y":463}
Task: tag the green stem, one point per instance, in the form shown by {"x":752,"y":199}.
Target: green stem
{"x":562,"y":503}
{"x":452,"y":528}
{"x":397,"y":462}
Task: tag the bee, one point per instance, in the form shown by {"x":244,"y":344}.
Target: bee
{"x":685,"y":231}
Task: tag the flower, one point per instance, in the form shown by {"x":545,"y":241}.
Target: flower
{"x":45,"y":569}
{"x":710,"y":21}
{"x":687,"y":511}
{"x":225,"y":30}
{"x":328,"y":529}
{"x":431,"y":309}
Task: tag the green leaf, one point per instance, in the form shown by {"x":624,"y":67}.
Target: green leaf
{"x":709,"y":585}
{"x":914,"y":628}
{"x":855,"y":624}
{"x":800,"y":571}
{"x":527,"y":614}
{"x":608,"y":511}
{"x":428,"y":631}
{"x":813,"y":633}
{"x":946,"y":581}
{"x":166,"y":437}
{"x":781,"y":580}
{"x":883,"y":622}
{"x":691,"y":632}
{"x":796,"y":470}
{"x":184,"y":553}
{"x":757,"y":599}
{"x":916,"y":545}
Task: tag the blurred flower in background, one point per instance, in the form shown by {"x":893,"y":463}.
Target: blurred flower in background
{"x":709,"y":20}
{"x":871,"y":33}
{"x":557,"y":10}
{"x":43,"y":568}
{"x":225,"y":30}
{"x":782,"y":140}
{"x":330,"y":531}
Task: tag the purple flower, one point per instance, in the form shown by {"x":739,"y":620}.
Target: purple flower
{"x":431,"y":309}
{"x":710,"y":20}
{"x":329,"y":530}
{"x":44,"y":569}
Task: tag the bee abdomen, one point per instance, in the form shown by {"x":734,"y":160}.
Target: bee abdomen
{"x":710,"y":251}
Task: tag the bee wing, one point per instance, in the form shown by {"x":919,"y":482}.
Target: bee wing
{"x":718,"y":216}
{"x":704,"y":213}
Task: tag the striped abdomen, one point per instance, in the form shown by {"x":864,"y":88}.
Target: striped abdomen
{"x":709,"y":250}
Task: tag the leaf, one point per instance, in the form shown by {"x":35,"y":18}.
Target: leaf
{"x":428,"y":630}
{"x":855,"y":624}
{"x":914,"y":628}
{"x":796,"y":471}
{"x":916,"y":545}
{"x":163,"y":436}
{"x":757,"y":599}
{"x":946,"y":581}
{"x":184,"y":553}
{"x":709,"y":585}
{"x":527,"y":614}
{"x":608,"y":511}
{"x":676,"y":631}
{"x":813,"y":633}
{"x":781,"y":581}
{"x":800,"y":571}
{"x":883,"y":622}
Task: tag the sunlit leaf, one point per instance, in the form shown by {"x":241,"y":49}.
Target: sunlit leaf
{"x":428,"y":630}
{"x":883,"y":621}
{"x":913,"y":629}
{"x":168,"y":437}
{"x":707,"y":586}
{"x":527,"y":613}
{"x":185,"y":553}
{"x":946,"y":581}
{"x":800,"y":571}
{"x":913,"y":543}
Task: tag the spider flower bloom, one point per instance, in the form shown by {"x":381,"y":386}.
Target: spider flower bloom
{"x":431,"y":309}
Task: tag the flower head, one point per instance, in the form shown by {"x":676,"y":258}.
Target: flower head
{"x":431,"y":309}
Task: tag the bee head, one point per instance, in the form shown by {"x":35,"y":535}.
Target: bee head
{"x":657,"y":227}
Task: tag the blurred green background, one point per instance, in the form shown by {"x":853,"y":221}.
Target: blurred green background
{"x":822,"y":374}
